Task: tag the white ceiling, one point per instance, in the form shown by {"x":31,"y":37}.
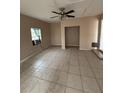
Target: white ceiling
{"x":41,"y":9}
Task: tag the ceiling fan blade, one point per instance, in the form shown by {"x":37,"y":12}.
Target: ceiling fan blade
{"x":54,"y":16}
{"x":56,"y":12}
{"x":71,"y":11}
{"x":70,"y":16}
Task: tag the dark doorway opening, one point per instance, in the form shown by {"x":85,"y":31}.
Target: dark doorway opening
{"x":72,"y":36}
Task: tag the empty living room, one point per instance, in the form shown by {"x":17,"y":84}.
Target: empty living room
{"x":56,"y":46}
{"x":61,"y":46}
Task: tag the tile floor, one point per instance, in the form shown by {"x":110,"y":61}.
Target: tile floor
{"x":62,"y":71}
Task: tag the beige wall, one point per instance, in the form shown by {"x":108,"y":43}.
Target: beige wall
{"x":88,"y":31}
{"x":26,"y":47}
{"x":55,"y":33}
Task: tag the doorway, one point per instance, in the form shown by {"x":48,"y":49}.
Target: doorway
{"x":72,"y":36}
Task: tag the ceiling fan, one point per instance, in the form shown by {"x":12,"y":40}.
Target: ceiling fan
{"x":62,"y":14}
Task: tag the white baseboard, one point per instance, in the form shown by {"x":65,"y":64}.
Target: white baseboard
{"x":73,"y":45}
{"x":33,"y":54}
{"x":84,"y":49}
{"x":26,"y":58}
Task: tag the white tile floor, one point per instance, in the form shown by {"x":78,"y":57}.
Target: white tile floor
{"x":62,"y":71}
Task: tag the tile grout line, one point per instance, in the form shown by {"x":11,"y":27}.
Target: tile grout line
{"x":97,"y":78}
{"x":68,"y":61}
{"x":55,"y":74}
{"x":55,"y":70}
{"x":68,"y":69}
{"x":80,"y":72}
{"x":93,"y":72}
{"x":68,"y":72}
{"x":55,"y":83}
{"x":30,"y":64}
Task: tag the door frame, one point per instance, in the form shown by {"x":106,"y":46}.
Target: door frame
{"x":78,"y":35}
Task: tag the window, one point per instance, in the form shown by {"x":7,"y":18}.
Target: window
{"x":36,"y":35}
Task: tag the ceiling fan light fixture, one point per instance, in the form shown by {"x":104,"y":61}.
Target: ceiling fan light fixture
{"x":62,"y":14}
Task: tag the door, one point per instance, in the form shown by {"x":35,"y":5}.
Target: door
{"x":72,"y":36}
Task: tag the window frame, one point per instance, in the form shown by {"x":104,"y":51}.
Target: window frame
{"x":36,"y":42}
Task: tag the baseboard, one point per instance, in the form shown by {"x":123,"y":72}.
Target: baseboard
{"x":72,"y":45}
{"x":84,"y":49}
{"x":101,"y":51}
{"x":98,"y":53}
{"x":33,"y":54}
{"x":26,"y":58}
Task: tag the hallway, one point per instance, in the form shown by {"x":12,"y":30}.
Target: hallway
{"x":62,"y":71}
